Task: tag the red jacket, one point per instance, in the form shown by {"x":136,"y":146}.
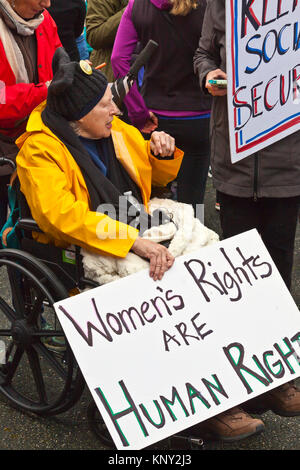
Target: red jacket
{"x":20,"y":99}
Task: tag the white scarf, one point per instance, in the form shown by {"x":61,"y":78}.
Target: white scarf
{"x":12,"y":51}
{"x":191,"y":235}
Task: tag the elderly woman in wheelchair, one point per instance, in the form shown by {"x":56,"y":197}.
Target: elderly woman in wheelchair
{"x":86,"y":177}
{"x":76,"y":157}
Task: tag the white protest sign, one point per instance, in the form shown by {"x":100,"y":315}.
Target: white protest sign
{"x":263,"y":67}
{"x":219,"y":328}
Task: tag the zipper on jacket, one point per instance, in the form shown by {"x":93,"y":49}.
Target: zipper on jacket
{"x":255,"y":182}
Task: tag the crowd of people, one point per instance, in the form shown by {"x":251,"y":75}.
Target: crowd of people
{"x":75,"y":151}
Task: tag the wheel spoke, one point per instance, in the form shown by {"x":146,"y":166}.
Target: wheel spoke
{"x":13,"y":365}
{"x":7,"y":310}
{"x":47,"y":333}
{"x":16,"y":292}
{"x":9,"y":349}
{"x":5,"y":332}
{"x":37,"y":375}
{"x":51,"y":359}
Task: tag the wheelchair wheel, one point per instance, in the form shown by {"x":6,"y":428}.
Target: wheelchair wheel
{"x":38,"y":371}
{"x":98,"y":426}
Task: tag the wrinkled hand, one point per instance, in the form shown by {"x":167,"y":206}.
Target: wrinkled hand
{"x":162,"y":144}
{"x":213,"y":89}
{"x":160,"y":258}
{"x":151,"y":124}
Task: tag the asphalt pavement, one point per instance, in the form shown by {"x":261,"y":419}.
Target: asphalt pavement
{"x":71,"y":431}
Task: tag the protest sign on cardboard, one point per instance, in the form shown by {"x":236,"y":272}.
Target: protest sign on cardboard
{"x":263,"y":67}
{"x":219,"y":328}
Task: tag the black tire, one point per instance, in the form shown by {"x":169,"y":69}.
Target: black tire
{"x":32,"y":376}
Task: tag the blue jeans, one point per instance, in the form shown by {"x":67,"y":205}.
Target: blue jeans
{"x":82,"y":47}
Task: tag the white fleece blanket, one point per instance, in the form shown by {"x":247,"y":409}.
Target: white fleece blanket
{"x":190,"y":235}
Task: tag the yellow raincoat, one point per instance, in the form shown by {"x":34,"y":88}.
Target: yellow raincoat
{"x":57,"y":195}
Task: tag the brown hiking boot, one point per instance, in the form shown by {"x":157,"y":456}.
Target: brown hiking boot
{"x":283,"y":400}
{"x":232,"y":425}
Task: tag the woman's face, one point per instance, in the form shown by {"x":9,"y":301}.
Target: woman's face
{"x":27,"y":9}
{"x":98,"y":122}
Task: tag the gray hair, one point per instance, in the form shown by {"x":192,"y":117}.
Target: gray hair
{"x":75,"y":126}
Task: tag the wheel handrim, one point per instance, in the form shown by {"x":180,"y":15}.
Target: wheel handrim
{"x":24,"y":339}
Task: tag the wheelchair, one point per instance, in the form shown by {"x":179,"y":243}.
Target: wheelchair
{"x":35,"y":375}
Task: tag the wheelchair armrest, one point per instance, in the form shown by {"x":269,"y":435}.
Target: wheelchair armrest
{"x":29,"y":224}
{"x":7,"y":161}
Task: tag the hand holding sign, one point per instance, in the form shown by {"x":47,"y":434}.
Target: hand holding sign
{"x":160,"y":258}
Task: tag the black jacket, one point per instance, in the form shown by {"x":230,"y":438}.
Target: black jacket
{"x":69,"y":16}
{"x":169,"y":81}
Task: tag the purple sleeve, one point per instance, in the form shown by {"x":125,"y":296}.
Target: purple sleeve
{"x":124,"y":46}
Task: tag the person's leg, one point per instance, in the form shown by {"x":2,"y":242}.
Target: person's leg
{"x":278,"y":229}
{"x":191,"y":136}
{"x":237,"y":214}
{"x":191,"y":179}
{"x":276,"y":222}
{"x":274,"y":218}
{"x":4,"y":180}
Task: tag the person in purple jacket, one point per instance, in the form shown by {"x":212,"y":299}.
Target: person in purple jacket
{"x":170,"y":97}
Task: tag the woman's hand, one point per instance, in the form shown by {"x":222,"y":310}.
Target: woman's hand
{"x":162,"y":144}
{"x":159,"y":256}
{"x":151,"y":124}
{"x":213,"y":89}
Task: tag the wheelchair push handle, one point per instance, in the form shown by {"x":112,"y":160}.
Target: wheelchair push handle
{"x":142,"y":59}
{"x":7,"y":161}
{"x":121,"y":86}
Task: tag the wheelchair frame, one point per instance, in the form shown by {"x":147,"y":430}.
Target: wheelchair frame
{"x":38,"y":277}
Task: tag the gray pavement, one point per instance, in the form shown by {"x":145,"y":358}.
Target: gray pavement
{"x":70,"y":430}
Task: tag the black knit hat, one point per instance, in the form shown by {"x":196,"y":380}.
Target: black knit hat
{"x":76,"y":87}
